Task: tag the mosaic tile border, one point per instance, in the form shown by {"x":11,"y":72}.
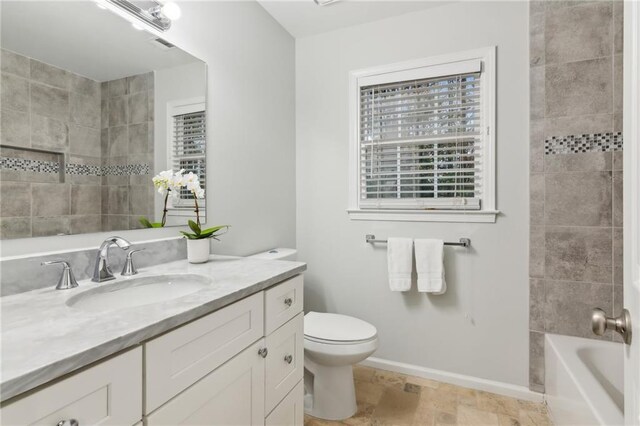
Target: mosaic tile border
{"x":574,"y":144}
{"x":37,"y":166}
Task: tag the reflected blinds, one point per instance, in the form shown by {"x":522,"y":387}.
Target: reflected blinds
{"x":189,"y":140}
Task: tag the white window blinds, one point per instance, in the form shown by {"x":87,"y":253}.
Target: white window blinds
{"x":420,"y":143}
{"x":189,"y":141}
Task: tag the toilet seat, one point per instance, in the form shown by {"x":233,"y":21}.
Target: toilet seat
{"x":336,"y":329}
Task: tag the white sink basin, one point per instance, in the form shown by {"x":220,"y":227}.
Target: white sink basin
{"x":138,"y":292}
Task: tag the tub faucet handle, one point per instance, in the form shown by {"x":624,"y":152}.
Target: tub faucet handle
{"x":600,"y":323}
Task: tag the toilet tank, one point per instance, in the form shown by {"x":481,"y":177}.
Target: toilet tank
{"x":277,"y":254}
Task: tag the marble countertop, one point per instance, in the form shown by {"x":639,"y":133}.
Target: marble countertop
{"x":43,"y":338}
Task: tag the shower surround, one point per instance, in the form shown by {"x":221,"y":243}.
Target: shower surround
{"x":575,"y":246}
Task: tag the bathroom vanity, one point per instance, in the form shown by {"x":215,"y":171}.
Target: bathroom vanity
{"x":229,"y":353}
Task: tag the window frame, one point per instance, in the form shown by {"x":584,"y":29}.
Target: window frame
{"x":418,"y":69}
{"x":174,"y":108}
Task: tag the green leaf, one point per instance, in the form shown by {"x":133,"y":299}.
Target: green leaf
{"x":194,"y":227}
{"x":157,"y":225}
{"x":145,"y":222}
{"x":214,"y":229}
{"x":189,"y":236}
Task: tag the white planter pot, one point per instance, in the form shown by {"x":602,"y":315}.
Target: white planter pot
{"x":198,"y":250}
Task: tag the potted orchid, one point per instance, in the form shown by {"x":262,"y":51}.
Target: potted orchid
{"x":168,"y":184}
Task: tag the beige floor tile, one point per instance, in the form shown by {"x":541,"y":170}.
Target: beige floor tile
{"x":498,"y":404}
{"x":538,"y":407}
{"x":505,"y":420}
{"x":464,"y":396}
{"x":363,"y":416}
{"x":396,"y":407}
{"x":424,"y":415}
{"x":470,"y":416}
{"x":533,"y":418}
{"x":389,"y":378}
{"x":368,"y":392}
{"x":445,"y":399}
{"x":362,"y":373}
{"x":420,"y":381}
{"x":443,"y":418}
{"x":312,"y":421}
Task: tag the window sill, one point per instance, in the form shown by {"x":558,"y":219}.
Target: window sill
{"x":475,"y":216}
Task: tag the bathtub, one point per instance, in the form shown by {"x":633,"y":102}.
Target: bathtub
{"x":584,"y":381}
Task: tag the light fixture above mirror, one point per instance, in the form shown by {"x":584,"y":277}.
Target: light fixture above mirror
{"x":159,"y":15}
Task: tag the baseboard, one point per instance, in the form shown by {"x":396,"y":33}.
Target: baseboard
{"x":506,"y":389}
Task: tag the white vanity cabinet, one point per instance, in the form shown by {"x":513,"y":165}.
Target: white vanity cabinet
{"x":239,"y":365}
{"x":109,"y":393}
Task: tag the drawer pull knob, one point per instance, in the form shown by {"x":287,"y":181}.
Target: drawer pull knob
{"x":288,"y":359}
{"x":70,"y":422}
{"x":263,"y":352}
{"x":288,"y":301}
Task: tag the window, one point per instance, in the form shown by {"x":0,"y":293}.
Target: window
{"x":188,"y":145}
{"x":422,"y":140}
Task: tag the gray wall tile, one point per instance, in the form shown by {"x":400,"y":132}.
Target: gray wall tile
{"x":14,"y":63}
{"x":138,"y":83}
{"x":49,"y":133}
{"x":50,"y":75}
{"x":537,"y":89}
{"x":14,"y":227}
{"x":577,"y":198}
{"x":86,"y":200}
{"x":618,"y":160}
{"x":14,"y":92}
{"x":536,"y":251}
{"x":578,"y":254}
{"x":618,"y":257}
{"x":579,"y":88}
{"x":536,"y":361}
{"x":85,"y":86}
{"x":118,"y":87}
{"x":118,"y":141}
{"x":139,"y":139}
{"x":15,"y":128}
{"x":47,"y":226}
{"x":16,"y":199}
{"x":586,"y":161}
{"x":85,"y":224}
{"x":536,"y":146}
{"x":49,"y":199}
{"x":85,"y":110}
{"x":568,"y":306}
{"x":536,"y":38}
{"x":118,"y":111}
{"x":118,"y":201}
{"x":618,"y":26}
{"x":578,"y":125}
{"x":49,"y":102}
{"x":537,"y":198}
{"x":618,"y":212}
{"x":578,"y":33}
{"x":618,"y":81}
{"x":138,"y":108}
{"x":536,"y":305}
{"x":84,"y":141}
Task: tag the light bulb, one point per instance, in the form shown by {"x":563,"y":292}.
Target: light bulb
{"x":171,"y":10}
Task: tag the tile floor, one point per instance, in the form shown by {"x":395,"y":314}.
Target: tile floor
{"x":386,"y":398}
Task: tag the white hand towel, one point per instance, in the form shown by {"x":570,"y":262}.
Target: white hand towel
{"x":430,"y":266}
{"x":399,"y":262}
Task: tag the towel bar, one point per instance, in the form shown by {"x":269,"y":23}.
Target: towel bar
{"x":464,"y":242}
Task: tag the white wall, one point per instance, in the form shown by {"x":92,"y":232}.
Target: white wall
{"x":480,"y":326}
{"x":250,"y":147}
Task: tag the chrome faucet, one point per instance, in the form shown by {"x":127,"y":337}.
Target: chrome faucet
{"x":101,"y":271}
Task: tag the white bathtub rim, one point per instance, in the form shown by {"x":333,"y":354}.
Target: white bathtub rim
{"x":607,"y":412}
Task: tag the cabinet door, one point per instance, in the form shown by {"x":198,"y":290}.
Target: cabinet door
{"x":285,"y":361}
{"x":178,"y":359}
{"x":110,"y":393}
{"x":231,"y":395}
{"x":290,"y":412}
{"x":282,"y":302}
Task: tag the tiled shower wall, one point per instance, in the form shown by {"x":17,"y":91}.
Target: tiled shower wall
{"x":575,"y":248}
{"x":127,"y":142}
{"x":57,"y":184}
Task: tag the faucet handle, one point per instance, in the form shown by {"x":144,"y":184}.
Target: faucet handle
{"x":129,"y":267}
{"x":67,"y":280}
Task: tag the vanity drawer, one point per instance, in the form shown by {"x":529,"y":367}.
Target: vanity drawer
{"x":290,"y":412}
{"x":181,"y":357}
{"x":285,"y":361}
{"x":231,"y":395}
{"x":283,"y":302}
{"x":109,"y":393}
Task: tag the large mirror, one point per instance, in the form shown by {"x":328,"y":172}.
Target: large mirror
{"x":92,"y":109}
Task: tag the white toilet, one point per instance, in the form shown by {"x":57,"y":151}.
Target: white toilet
{"x":333,"y":343}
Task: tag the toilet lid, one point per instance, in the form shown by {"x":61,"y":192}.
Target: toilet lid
{"x":335,"y":327}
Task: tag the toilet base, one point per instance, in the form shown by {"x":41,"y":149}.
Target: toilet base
{"x":333,"y":394}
